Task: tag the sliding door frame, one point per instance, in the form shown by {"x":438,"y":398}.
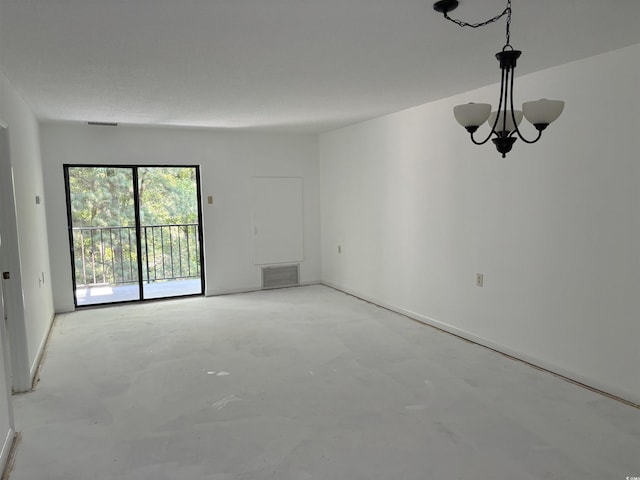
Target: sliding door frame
{"x":138,"y":228}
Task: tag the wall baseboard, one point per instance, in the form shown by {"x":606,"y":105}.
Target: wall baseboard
{"x":34,"y":371}
{"x":566,"y":374}
{"x":231,"y":291}
{"x":8,"y":450}
{"x":67,"y":309}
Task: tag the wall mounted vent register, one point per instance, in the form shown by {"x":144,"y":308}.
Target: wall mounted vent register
{"x":280,"y":276}
{"x":505,"y":120}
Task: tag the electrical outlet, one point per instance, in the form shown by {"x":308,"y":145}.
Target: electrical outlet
{"x":210,"y":200}
{"x":479,"y":279}
{"x":339,"y":248}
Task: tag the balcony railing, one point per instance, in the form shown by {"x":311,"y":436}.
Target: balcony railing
{"x":108,"y":255}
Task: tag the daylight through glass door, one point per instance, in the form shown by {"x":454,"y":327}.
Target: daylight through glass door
{"x":135,"y":233}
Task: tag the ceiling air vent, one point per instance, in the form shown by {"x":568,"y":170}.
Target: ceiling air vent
{"x":280,"y":276}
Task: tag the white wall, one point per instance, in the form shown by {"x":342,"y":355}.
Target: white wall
{"x":31,"y":280}
{"x":227,"y":160}
{"x":554,"y":227}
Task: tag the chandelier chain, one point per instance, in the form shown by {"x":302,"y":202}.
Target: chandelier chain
{"x":506,"y":12}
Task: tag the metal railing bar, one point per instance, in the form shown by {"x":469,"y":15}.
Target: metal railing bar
{"x":188,"y":254}
{"x":121,"y":255}
{"x":130,"y":256}
{"x":113,"y":262}
{"x":146,"y":248}
{"x":171,"y":250}
{"x":104,"y":278}
{"x":93,"y":258}
{"x":179,"y":250}
{"x":84,"y":266}
{"x":162,"y":244}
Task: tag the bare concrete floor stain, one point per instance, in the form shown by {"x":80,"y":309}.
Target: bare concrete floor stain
{"x":301,"y":384}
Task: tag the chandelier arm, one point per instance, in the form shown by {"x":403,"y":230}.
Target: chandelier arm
{"x":503,"y":98}
{"x":495,"y":122}
{"x":525,"y":140}
{"x":513,"y":118}
{"x":481,"y":142}
{"x":509,"y":85}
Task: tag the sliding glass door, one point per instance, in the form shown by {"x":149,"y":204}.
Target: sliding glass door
{"x":170,"y":231}
{"x":103,"y":234}
{"x":135,"y":232}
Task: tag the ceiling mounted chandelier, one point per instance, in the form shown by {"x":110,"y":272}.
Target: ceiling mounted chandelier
{"x":504,"y":121}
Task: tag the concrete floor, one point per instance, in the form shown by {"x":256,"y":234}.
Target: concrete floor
{"x":301,"y":384}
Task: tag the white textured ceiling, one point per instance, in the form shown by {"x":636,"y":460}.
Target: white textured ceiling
{"x":286,"y":65}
